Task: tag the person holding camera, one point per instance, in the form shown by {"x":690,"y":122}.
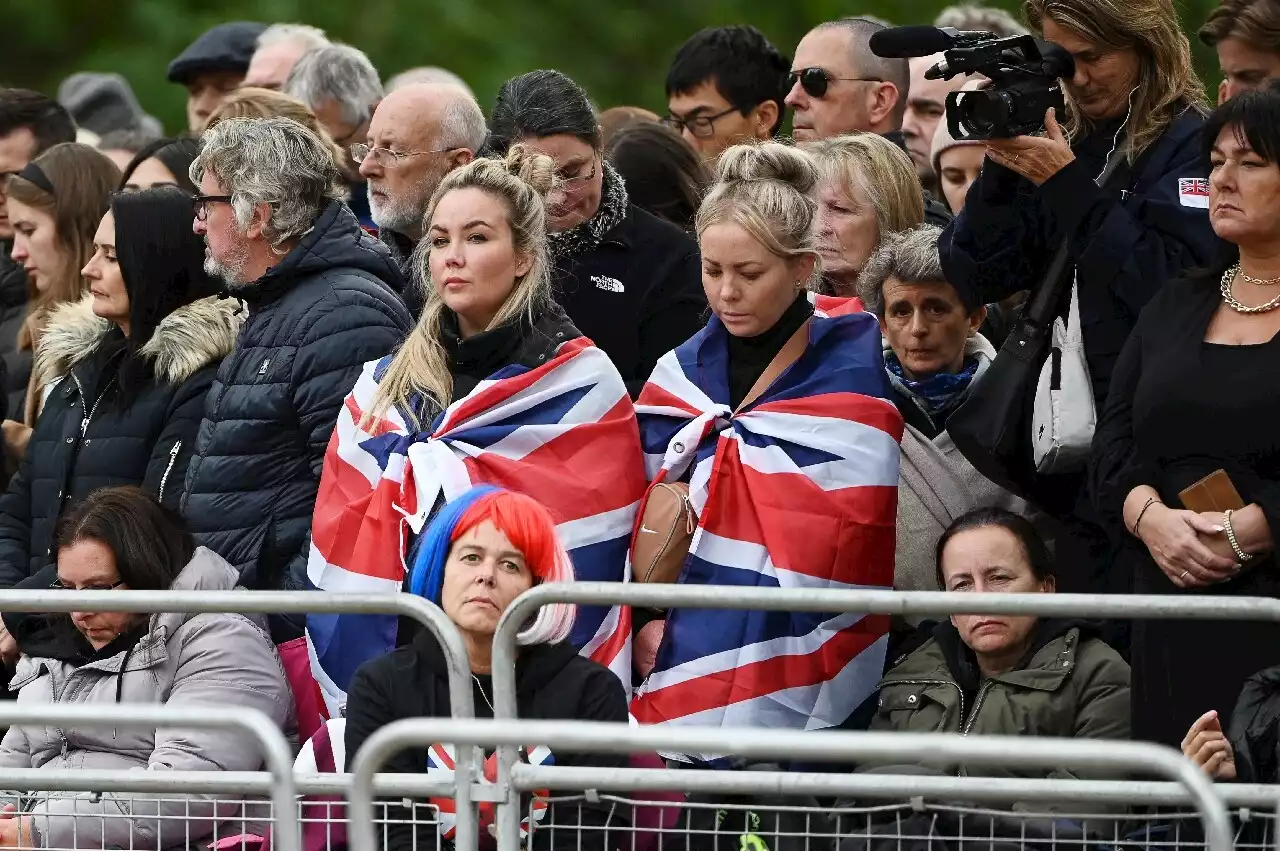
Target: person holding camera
{"x":1133,"y":94}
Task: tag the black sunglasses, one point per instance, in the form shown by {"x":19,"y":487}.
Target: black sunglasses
{"x":816,"y":81}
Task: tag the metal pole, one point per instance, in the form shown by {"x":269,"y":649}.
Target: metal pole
{"x":277,"y":602}
{"x":142,"y":716}
{"x":596,"y":737}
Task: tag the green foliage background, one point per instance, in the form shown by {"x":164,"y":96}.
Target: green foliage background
{"x":618,"y":49}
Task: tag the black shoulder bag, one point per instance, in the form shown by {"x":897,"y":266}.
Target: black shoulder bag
{"x":992,"y":426}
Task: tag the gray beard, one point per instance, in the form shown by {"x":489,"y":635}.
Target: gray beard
{"x":231,"y":271}
{"x":396,"y":215}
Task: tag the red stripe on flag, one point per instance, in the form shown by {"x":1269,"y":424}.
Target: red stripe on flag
{"x":657,"y":396}
{"x":354,"y":527}
{"x":378,"y":429}
{"x":838,"y":306}
{"x":849,"y":534}
{"x":499,"y":392}
{"x":589,"y":469}
{"x":757,"y":679}
{"x":868,"y":410}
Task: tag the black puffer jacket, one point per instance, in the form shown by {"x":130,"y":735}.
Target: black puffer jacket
{"x":552,"y":682}
{"x":314,"y":320}
{"x":142,"y":437}
{"x":13,"y":312}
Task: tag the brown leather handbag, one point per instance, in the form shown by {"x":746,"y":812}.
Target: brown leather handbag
{"x":667,"y":519}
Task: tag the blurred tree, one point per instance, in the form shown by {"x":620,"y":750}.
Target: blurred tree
{"x":619,"y":51}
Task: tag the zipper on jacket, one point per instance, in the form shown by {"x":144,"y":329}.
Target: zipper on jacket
{"x":88,"y":411}
{"x":977,"y":704}
{"x":173,"y":456}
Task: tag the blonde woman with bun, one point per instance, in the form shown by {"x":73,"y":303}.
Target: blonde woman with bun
{"x":777,"y":419}
{"x":493,"y":386}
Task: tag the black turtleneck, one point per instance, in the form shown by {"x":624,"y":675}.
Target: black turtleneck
{"x":750,"y":356}
{"x":476,"y":358}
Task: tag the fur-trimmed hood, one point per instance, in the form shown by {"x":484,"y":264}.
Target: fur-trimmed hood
{"x":187,"y":340}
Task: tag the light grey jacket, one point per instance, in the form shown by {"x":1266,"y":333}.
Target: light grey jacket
{"x":206,"y":662}
{"x":936,"y":484}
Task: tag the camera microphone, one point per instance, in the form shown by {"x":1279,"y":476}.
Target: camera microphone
{"x":915,"y":41}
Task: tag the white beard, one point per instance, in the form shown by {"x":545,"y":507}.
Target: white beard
{"x":231,"y":270}
{"x":396,"y":213}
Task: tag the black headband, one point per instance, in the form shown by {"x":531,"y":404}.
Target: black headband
{"x":34,"y":174}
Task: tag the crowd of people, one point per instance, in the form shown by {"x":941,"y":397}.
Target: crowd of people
{"x":341,"y":334}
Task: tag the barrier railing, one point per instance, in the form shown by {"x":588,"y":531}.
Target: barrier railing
{"x":280,"y":602}
{"x":276,"y":752}
{"x":595,"y":737}
{"x":936,"y":603}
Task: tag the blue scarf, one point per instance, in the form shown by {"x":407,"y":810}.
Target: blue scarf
{"x":938,"y":392}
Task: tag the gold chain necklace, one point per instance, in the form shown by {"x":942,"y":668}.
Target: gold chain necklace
{"x":1228,"y":278}
{"x":1261,"y":282}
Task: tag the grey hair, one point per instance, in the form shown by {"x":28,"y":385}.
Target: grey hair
{"x":910,"y":256}
{"x":309,"y":37}
{"x":272,"y":161}
{"x":462,"y":124}
{"x":428,"y":74}
{"x":341,"y":73}
{"x":974,"y":18}
{"x":896,"y":71}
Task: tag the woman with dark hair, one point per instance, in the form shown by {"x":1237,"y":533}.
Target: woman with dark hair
{"x":136,"y":358}
{"x":164,"y":162}
{"x":1004,"y":674}
{"x":121,"y":538}
{"x":664,"y":173}
{"x":1196,"y":393}
{"x":55,"y":204}
{"x":627,"y":280}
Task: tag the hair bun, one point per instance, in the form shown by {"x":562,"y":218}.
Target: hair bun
{"x":537,"y":170}
{"x":768,"y":161}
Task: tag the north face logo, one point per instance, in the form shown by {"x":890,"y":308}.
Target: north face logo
{"x":604,"y":282}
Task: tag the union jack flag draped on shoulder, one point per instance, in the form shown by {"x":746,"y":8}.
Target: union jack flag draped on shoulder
{"x":799,"y":490}
{"x":563,"y":433}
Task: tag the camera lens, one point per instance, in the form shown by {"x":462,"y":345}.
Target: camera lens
{"x":985,"y":113}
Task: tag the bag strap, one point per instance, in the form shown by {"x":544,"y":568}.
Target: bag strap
{"x":786,"y":356}
{"x":1043,"y":305}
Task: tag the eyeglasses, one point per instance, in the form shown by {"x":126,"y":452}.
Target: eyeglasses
{"x":202,"y":202}
{"x":387,"y":158}
{"x":702,"y":126}
{"x":57,"y":585}
{"x":815,"y":81}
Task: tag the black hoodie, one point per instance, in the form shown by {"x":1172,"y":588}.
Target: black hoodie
{"x":552,"y":682}
{"x":314,"y":320}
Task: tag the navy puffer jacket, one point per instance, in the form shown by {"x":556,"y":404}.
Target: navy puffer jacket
{"x":314,"y":320}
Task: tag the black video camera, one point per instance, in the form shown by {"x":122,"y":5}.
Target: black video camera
{"x":1025,"y":75}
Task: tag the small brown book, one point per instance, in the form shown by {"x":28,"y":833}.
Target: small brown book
{"x":1215,"y":492}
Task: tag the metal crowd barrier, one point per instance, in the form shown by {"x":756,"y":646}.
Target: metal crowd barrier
{"x":277,"y":753}
{"x":280,"y":602}
{"x":596,"y":737}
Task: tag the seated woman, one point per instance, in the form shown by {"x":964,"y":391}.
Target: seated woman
{"x":1003,"y":674}
{"x":122,"y":538}
{"x":136,"y":357}
{"x":482,"y":551}
{"x":495,"y":385}
{"x":934,"y":355}
{"x":867,"y":189}
{"x":779,"y":421}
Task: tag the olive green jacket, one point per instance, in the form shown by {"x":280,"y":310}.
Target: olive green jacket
{"x":1071,"y":687}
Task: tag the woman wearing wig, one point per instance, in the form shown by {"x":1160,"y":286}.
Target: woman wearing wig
{"x":778,"y":418}
{"x":494,"y":385}
{"x":481,"y":552}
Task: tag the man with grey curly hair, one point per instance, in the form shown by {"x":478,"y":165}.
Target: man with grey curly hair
{"x":322,"y":299}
